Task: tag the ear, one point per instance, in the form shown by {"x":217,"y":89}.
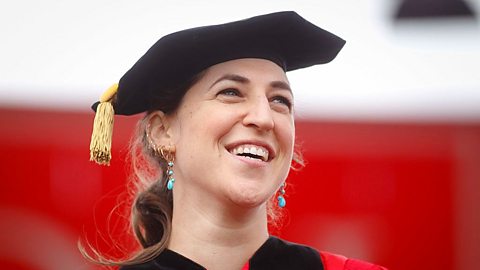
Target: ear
{"x":158,"y":131}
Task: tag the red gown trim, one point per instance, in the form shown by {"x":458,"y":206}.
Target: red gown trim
{"x":339,"y":262}
{"x":332,"y":261}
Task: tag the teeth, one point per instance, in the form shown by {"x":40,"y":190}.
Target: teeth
{"x":251,"y":149}
{"x":238,"y":150}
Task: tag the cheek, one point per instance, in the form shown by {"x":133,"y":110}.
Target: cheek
{"x":213,"y":122}
{"x":199,"y":129}
{"x":288,"y":141}
{"x":285,"y":130}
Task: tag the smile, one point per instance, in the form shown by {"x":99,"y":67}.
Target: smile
{"x":251,"y":151}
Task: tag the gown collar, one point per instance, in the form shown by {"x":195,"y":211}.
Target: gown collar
{"x":171,"y":259}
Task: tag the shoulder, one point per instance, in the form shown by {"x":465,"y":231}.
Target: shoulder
{"x":338,"y":262}
{"x":280,"y":254}
{"x":298,"y":252}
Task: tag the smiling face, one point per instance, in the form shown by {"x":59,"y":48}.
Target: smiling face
{"x":234,"y":134}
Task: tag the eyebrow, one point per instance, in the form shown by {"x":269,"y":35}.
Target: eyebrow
{"x":243,"y":80}
{"x":232,"y":77}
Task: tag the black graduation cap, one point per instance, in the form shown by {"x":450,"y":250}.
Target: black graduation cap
{"x":282,"y":37}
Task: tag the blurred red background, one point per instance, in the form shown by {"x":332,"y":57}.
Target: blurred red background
{"x":403,"y":195}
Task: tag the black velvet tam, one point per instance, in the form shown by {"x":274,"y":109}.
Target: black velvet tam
{"x":283,"y":37}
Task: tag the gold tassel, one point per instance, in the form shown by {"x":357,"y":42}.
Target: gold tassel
{"x":101,"y":142}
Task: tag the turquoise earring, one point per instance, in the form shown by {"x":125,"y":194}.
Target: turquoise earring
{"x":281,"y":200}
{"x":171,"y":180}
{"x":168,"y":156}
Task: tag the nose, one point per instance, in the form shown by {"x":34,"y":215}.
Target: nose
{"x":259,"y":114}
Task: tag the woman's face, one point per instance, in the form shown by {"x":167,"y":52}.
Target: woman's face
{"x":234,"y":134}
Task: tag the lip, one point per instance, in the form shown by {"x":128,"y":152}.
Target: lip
{"x":271,"y":151}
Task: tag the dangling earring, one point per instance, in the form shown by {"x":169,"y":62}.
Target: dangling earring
{"x":169,"y":157}
{"x":281,"y":200}
{"x":171,"y":180}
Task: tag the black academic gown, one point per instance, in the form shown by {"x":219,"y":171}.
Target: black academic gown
{"x":274,"y":254}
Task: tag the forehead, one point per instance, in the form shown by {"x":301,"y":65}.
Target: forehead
{"x":251,"y":68}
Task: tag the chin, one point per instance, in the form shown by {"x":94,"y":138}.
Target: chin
{"x":248,"y":197}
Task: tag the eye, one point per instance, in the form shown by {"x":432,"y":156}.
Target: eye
{"x":281,"y":100}
{"x":229,"y":92}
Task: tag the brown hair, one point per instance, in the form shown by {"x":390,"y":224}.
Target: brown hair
{"x":152,"y":207}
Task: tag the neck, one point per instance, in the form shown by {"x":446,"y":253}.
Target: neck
{"x":215,"y":237}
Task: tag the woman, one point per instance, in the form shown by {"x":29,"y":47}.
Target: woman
{"x":216,"y":144}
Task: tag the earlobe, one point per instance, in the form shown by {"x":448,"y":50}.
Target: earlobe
{"x":158,"y":130}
